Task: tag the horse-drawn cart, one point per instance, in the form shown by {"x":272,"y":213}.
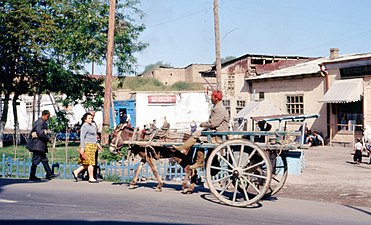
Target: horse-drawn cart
{"x":243,"y":167}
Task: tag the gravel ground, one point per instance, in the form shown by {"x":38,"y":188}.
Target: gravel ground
{"x":331,"y":176}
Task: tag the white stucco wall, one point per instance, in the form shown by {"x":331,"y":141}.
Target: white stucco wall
{"x":312,"y":90}
{"x":188,"y":107}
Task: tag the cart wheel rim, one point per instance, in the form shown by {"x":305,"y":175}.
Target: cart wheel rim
{"x":238,"y":172}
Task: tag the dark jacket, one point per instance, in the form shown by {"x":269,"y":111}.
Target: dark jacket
{"x":40,"y":143}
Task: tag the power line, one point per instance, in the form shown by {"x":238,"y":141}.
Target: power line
{"x":178,"y":18}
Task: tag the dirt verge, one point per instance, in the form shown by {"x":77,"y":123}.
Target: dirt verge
{"x":330,"y":176}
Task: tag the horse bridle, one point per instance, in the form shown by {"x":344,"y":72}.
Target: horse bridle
{"x":118,"y":138}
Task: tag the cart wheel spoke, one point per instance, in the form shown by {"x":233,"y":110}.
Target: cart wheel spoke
{"x":225,"y":160}
{"x":235,"y":191}
{"x":232,"y":156}
{"x":255,"y":175}
{"x":229,"y":182}
{"x":253,"y":166}
{"x":244,"y":189}
{"x":221,"y":169}
{"x":279,"y":174}
{"x":238,"y":172}
{"x":221,"y":179}
{"x":253,"y":185}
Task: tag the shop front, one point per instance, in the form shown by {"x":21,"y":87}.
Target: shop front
{"x":348,"y":94}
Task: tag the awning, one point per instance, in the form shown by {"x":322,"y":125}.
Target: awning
{"x":344,"y":91}
{"x":263,"y":108}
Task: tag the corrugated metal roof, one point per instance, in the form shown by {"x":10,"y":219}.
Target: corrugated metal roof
{"x":310,"y":67}
{"x":269,"y":67}
{"x":263,"y":108}
{"x":344,"y":91}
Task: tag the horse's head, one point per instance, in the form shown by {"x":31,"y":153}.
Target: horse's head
{"x":120,"y":134}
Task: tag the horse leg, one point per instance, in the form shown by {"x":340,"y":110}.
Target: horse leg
{"x":194,"y":177}
{"x":134,"y":181}
{"x":185,"y":188}
{"x":155,"y":173}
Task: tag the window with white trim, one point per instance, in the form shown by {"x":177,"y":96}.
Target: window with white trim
{"x":240,"y":105}
{"x":227,"y":105}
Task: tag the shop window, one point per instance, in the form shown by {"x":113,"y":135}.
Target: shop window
{"x":261,"y":95}
{"x":240,"y":105}
{"x":295,"y":104}
{"x":29,"y":106}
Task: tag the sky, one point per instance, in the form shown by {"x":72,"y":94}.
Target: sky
{"x":181,"y":32}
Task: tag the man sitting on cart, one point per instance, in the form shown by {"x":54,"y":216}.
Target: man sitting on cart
{"x":218,"y":121}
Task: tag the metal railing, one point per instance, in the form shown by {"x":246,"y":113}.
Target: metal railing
{"x":123,"y":170}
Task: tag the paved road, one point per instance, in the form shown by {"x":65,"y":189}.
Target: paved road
{"x":65,"y":202}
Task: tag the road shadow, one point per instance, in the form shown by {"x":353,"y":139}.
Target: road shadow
{"x":211,"y":198}
{"x":205,"y":192}
{"x":10,"y":181}
{"x":76,"y":222}
{"x":153,"y":184}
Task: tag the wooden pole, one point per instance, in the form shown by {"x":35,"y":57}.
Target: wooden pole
{"x":217,"y":47}
{"x":109,"y":68}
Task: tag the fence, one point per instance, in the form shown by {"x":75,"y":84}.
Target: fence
{"x":123,"y":170}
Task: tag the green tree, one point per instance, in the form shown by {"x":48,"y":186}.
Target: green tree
{"x":226,"y":59}
{"x":44,"y":45}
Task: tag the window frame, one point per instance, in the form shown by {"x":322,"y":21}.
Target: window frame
{"x":295,"y":104}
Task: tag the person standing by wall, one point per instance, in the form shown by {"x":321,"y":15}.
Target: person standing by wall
{"x":88,"y":148}
{"x":39,"y":147}
{"x":123,"y":118}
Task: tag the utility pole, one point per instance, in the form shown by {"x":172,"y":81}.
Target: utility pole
{"x":109,"y":68}
{"x":217,"y":47}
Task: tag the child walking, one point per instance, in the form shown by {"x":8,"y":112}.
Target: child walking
{"x":357,"y":158}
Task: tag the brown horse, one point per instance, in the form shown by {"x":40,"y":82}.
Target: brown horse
{"x":148,"y":152}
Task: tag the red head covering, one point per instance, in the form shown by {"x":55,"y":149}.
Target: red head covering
{"x":217,"y":94}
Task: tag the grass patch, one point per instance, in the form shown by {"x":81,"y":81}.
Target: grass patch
{"x":115,"y":179}
{"x":62,"y":153}
{"x":152,"y":84}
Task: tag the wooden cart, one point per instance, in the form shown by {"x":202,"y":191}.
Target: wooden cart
{"x":240,"y":171}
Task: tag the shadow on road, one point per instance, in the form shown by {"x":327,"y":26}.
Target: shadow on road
{"x":9,"y":181}
{"x":211,"y":198}
{"x":174,"y":186}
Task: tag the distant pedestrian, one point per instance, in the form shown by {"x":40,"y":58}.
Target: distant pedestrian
{"x":39,"y":147}
{"x":123,"y":118}
{"x":153,"y":125}
{"x":358,"y":147}
{"x":88,"y":148}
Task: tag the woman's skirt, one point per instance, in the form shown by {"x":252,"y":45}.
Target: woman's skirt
{"x":89,"y":151}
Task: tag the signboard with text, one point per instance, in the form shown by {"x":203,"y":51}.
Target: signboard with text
{"x":161,"y":99}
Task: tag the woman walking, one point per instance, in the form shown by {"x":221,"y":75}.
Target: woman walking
{"x":88,"y":147}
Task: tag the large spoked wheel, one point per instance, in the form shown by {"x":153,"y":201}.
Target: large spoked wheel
{"x":238,"y":173}
{"x":279,"y":172}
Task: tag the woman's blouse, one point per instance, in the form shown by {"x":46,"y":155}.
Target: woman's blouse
{"x":88,"y":134}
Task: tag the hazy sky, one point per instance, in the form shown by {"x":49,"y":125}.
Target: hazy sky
{"x":181,"y":32}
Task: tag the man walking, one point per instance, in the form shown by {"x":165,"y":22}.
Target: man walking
{"x":39,"y":147}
